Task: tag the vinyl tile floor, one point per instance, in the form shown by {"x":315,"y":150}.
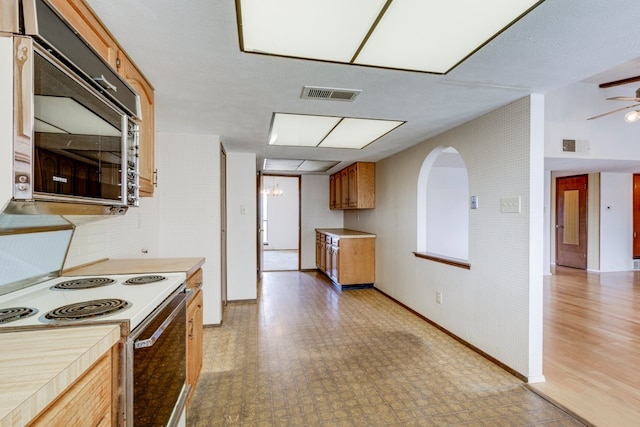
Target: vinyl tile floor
{"x":280,"y":260}
{"x":309,"y":355}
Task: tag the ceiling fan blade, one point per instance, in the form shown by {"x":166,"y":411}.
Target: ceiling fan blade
{"x":614,"y":111}
{"x":624,"y":98}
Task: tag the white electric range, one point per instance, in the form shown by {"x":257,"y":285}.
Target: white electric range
{"x":72,"y":300}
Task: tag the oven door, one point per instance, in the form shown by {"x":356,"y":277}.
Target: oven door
{"x":157,"y":366}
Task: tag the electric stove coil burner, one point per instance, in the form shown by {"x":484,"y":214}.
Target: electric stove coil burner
{"x":84,"y":283}
{"x":143,"y":280}
{"x":87,"y":309}
{"x":14,"y":313}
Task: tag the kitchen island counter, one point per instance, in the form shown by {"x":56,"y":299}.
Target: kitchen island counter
{"x":138,"y":266}
{"x":36,"y":366}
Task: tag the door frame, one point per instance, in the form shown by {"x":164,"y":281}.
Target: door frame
{"x":223,"y":227}
{"x":259,"y":219}
{"x":583,"y":220}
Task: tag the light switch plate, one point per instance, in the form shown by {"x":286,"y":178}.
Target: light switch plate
{"x":510,"y":204}
{"x":474,"y":202}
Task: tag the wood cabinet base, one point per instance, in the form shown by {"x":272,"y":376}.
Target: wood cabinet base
{"x":346,"y":257}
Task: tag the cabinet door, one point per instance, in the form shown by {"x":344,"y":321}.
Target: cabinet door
{"x":345,"y":188}
{"x":194,"y":341}
{"x":338,"y":178}
{"x":318,"y":250}
{"x":323,"y":253}
{"x":139,"y":84}
{"x":332,"y":192}
{"x":353,"y":186}
{"x":327,"y":249}
{"x":335,"y":266}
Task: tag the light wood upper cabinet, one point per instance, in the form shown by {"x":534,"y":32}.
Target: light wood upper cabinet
{"x":332,"y":192}
{"x":141,"y":86}
{"x":80,"y":16}
{"x":82,"y":19}
{"x":353,"y":187}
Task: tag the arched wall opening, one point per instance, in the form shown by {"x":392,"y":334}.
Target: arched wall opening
{"x":443,"y":205}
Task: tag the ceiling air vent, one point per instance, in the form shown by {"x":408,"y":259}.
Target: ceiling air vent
{"x":328,"y":93}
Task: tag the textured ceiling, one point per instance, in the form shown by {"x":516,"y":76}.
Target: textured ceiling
{"x":204,"y":85}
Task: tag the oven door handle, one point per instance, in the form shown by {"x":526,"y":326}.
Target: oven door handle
{"x":146,"y":343}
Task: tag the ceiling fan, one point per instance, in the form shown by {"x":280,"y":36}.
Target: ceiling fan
{"x":631,"y":116}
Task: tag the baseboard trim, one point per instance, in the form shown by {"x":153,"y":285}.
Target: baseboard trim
{"x":460,"y":340}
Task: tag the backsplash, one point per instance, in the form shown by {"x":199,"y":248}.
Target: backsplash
{"x":124,"y":236}
{"x":28,"y":257}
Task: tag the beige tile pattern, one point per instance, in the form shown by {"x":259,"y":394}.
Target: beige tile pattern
{"x":310,"y":355}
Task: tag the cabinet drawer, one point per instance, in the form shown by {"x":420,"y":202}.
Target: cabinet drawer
{"x":195,"y":280}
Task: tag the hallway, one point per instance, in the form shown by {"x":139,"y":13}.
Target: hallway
{"x":309,"y":355}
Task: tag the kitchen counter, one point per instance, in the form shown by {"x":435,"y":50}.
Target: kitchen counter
{"x":37,"y":365}
{"x":138,"y":266}
{"x":342,"y":233}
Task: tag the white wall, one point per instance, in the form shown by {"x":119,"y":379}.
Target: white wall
{"x":188,"y":197}
{"x":609,"y":137}
{"x":447,"y":215}
{"x":282,"y":213}
{"x":616,"y":222}
{"x":125,"y":236}
{"x":315,"y":214}
{"x":241,"y":227}
{"x":496,"y":305}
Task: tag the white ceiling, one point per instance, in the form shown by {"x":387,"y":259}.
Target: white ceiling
{"x":204,"y":84}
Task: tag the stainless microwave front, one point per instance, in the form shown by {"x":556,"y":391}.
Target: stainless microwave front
{"x":71,"y":143}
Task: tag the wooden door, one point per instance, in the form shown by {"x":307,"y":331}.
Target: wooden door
{"x":636,"y":216}
{"x":571,"y":221}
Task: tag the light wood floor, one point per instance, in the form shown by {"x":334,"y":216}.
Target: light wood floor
{"x":592,"y":345}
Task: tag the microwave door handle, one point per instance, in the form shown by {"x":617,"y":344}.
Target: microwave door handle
{"x":149,"y":342}
{"x":102,"y":81}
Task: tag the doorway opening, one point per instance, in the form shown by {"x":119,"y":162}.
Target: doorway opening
{"x":280,"y":222}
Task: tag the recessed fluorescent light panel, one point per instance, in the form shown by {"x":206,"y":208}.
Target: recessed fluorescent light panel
{"x":302,"y":130}
{"x":428,"y":36}
{"x":290,"y":165}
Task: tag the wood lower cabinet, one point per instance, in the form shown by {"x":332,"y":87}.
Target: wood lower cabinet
{"x":86,"y":402}
{"x":347,"y":257}
{"x":194,"y":332}
{"x":353,"y":187}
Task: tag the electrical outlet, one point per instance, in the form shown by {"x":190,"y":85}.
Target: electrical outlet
{"x":439,"y":297}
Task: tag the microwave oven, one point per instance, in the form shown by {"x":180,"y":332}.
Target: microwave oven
{"x":75,"y":135}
